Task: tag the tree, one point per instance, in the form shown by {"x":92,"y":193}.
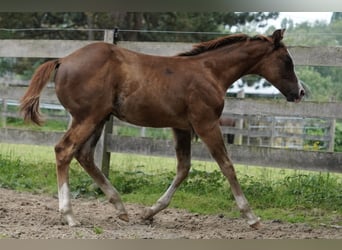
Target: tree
{"x":336,"y":16}
{"x":321,"y":87}
{"x":84,"y":26}
{"x":130,"y":22}
{"x":29,"y":25}
{"x":211,"y":22}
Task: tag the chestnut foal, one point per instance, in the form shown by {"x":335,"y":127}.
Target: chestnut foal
{"x":184,"y":92}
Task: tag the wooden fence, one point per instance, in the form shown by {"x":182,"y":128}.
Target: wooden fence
{"x":263,"y":156}
{"x":274,"y":128}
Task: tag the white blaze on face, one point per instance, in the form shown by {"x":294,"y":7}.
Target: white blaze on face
{"x":300,"y":86}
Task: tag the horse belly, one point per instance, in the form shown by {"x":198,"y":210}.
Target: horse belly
{"x":151,"y":112}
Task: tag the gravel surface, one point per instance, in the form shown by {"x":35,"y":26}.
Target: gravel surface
{"x":28,"y":216}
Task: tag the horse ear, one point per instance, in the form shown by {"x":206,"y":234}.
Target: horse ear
{"x":277,"y":36}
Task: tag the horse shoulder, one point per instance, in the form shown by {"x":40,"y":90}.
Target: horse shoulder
{"x":206,"y":100}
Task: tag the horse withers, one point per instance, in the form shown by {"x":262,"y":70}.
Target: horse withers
{"x":184,"y":92}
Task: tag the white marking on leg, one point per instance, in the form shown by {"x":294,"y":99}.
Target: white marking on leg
{"x":165,"y":199}
{"x":161,"y":203}
{"x":241,"y":201}
{"x":65,"y":204}
{"x":64,"y":197}
{"x":244,"y":207}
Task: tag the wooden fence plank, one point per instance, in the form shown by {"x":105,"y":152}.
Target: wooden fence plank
{"x":268,"y":133}
{"x":283,"y":108}
{"x":39,"y":48}
{"x":16,"y":92}
{"x":315,"y":56}
{"x":250,"y":155}
{"x":29,"y":137}
{"x":232,"y":105}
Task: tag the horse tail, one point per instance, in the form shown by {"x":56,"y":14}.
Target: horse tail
{"x":29,"y":103}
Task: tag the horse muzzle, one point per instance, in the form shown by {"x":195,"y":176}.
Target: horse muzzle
{"x":296,"y":97}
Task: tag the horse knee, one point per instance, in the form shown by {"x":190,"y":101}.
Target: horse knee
{"x":58,"y":149}
{"x":63,"y":156}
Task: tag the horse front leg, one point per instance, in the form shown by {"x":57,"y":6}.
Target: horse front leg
{"x":213,"y":139}
{"x":183,"y":153}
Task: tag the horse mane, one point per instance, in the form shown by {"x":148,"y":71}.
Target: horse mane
{"x":222,"y":41}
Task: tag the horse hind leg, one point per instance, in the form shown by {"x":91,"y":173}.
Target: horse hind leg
{"x":64,"y":152}
{"x":70,"y":145}
{"x":183,"y":153}
{"x":85,"y":156}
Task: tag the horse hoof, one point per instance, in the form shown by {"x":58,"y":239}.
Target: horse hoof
{"x":71,"y":223}
{"x":69,"y":220}
{"x":147,"y":214}
{"x":147,"y":217}
{"x":257,"y":225}
{"x":74,"y":224}
{"x":124,"y":217}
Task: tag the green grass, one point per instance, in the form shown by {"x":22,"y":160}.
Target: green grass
{"x":149,"y":132}
{"x":275,"y":194}
{"x":49,"y":125}
{"x":62,"y":125}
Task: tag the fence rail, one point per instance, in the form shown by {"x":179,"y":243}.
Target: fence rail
{"x":314,"y":56}
{"x":250,"y":155}
{"x":236,"y":108}
{"x":264,"y":156}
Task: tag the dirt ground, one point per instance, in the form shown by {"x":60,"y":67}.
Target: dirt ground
{"x":28,"y":216}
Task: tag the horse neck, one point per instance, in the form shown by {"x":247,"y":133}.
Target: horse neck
{"x":230,"y":63}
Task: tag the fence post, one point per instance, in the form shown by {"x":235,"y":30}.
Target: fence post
{"x":108,"y":36}
{"x":239,"y":122}
{"x":102,"y":156}
{"x":4,"y":113}
{"x":332,"y":135}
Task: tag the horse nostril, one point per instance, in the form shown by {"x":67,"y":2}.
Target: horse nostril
{"x":302,"y":92}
